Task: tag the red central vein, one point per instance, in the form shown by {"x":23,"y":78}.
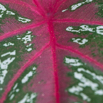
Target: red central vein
{"x":52,"y":42}
{"x":6,"y":35}
{"x":77,"y":21}
{"x":20,"y":71}
{"x":79,"y":53}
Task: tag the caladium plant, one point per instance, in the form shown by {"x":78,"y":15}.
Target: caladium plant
{"x":51,"y":51}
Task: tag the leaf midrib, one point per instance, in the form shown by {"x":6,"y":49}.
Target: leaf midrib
{"x":52,"y":43}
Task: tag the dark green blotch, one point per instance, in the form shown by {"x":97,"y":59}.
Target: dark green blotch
{"x":86,"y":90}
{"x":19,"y":95}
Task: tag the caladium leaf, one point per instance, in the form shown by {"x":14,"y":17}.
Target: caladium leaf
{"x":51,"y":51}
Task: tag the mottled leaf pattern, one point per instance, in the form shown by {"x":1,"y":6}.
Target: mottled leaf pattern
{"x":51,"y":51}
{"x":88,"y":82}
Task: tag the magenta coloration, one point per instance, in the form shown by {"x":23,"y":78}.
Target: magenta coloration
{"x":55,"y":29}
